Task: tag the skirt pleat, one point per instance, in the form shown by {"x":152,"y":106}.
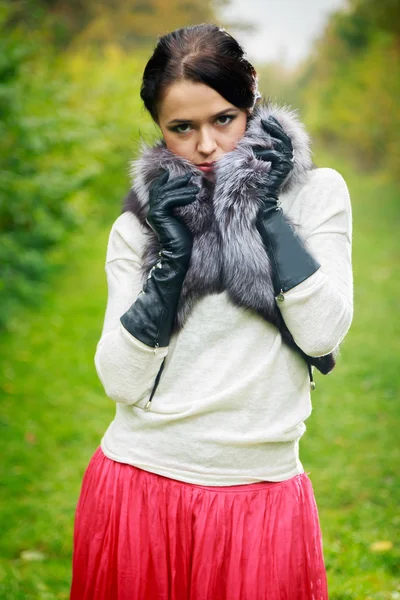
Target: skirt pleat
{"x":142,"y":536}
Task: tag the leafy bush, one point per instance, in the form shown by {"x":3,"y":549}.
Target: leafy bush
{"x":351,"y":85}
{"x":69,"y":124}
{"x":34,"y":209}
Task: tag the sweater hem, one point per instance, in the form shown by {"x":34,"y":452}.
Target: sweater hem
{"x":213,"y":479}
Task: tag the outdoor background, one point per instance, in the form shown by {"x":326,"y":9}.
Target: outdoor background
{"x":70,"y":121}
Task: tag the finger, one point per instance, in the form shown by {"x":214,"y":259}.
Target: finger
{"x":159,"y":182}
{"x":274,"y":128}
{"x":182,"y":197}
{"x":190,"y":189}
{"x":177,"y":182}
{"x":276,"y":144}
{"x":281,"y":145}
{"x":163,"y":177}
{"x":268,"y":156}
{"x":164,"y":198}
{"x":182,"y":201}
{"x":274,"y":120}
{"x":257,"y":149}
{"x":273,"y":124}
{"x":277,"y":132}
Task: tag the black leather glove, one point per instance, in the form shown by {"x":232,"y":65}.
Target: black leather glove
{"x":151,"y":316}
{"x":291,"y":262}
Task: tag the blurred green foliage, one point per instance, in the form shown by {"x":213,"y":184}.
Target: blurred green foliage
{"x":130,"y":24}
{"x":351,"y":85}
{"x":35,"y":180}
{"x":68,"y":131}
{"x":348,"y":88}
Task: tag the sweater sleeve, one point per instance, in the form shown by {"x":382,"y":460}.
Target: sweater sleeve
{"x":318,"y":312}
{"x":126,"y":367}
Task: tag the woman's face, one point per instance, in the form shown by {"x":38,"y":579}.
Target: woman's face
{"x":199,"y":124}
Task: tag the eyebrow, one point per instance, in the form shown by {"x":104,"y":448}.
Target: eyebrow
{"x":219,"y":114}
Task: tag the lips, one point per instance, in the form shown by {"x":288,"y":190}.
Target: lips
{"x":206,"y":167}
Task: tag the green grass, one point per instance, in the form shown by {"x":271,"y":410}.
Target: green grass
{"x":54,"y":412}
{"x":352,"y":446}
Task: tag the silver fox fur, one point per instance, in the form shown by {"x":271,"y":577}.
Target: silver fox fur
{"x":228,"y":252}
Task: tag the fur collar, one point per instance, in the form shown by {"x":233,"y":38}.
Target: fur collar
{"x":228,"y":253}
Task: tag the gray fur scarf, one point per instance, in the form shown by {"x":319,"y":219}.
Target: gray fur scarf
{"x":228,"y":253}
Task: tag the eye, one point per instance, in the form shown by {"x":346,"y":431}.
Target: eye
{"x":229,"y":118}
{"x":184,"y":128}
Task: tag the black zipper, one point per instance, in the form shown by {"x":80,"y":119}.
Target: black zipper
{"x":156,"y":382}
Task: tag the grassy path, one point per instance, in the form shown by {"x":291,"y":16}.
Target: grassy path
{"x":54,"y":412}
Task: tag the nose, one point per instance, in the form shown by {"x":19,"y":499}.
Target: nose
{"x":206,"y":144}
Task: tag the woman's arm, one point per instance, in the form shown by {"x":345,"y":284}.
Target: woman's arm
{"x":318,"y":311}
{"x":126,"y":366}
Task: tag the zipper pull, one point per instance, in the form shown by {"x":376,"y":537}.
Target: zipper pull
{"x":312,"y":382}
{"x":147,"y":406}
{"x":280,"y":297}
{"x":156,"y":347}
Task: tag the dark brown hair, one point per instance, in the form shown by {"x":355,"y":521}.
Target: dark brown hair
{"x":202,"y":54}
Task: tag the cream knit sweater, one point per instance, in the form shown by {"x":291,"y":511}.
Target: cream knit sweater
{"x":232,"y":399}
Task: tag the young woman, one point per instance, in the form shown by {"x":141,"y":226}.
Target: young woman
{"x":229,"y":277}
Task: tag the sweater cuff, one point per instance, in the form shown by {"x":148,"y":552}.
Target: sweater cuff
{"x":317,"y":315}
{"x":307,"y":288}
{"x":133,"y":341}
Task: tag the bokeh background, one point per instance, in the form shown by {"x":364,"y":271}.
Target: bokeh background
{"x":70,"y":121}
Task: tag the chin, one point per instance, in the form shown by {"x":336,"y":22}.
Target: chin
{"x":209,"y":176}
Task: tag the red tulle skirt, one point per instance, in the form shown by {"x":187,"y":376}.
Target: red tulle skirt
{"x":142,"y":536}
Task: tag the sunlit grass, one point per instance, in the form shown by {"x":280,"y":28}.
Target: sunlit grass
{"x":54,"y":413}
{"x":352,"y":446}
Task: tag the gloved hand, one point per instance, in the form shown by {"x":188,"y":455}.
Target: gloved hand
{"x":151,"y":316}
{"x":175,"y":238}
{"x":281,"y":157}
{"x":291,"y":262}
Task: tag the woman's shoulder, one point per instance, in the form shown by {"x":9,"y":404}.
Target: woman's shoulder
{"x":126,"y":238}
{"x":325,"y":189}
{"x":322,"y":186}
{"x":319,"y":189}
{"x":323,"y":200}
{"x":322,"y":197}
{"x":325,"y":176}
